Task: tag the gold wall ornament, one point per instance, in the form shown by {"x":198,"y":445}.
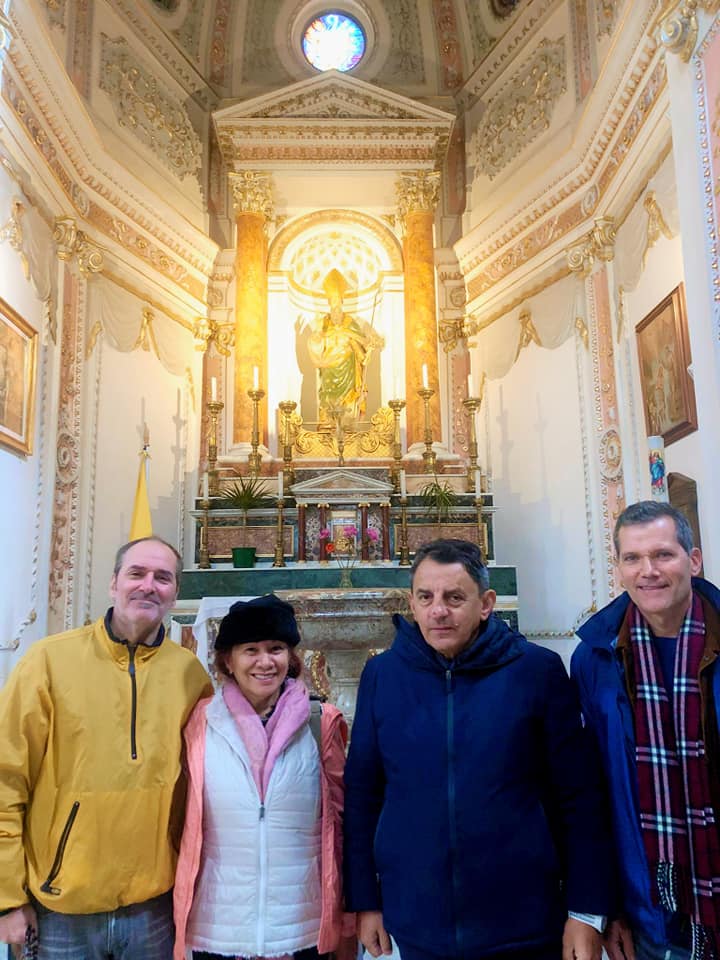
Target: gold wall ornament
{"x":598,"y":244}
{"x":455,"y":331}
{"x":582,"y":332}
{"x":153,"y":114}
{"x":656,"y":225}
{"x":357,"y":444}
{"x":417,"y":192}
{"x":528,"y":333}
{"x":207,"y":332}
{"x":71,"y":242}
{"x":679,"y":29}
{"x":523,"y":110}
{"x":12,"y":232}
{"x":252,"y":192}
{"x":93,"y":335}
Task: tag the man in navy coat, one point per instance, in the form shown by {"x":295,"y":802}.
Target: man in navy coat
{"x":473,"y":822}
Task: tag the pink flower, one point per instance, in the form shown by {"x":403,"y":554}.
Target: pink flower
{"x":372,"y":534}
{"x":350,"y":530}
{"x":325,"y":534}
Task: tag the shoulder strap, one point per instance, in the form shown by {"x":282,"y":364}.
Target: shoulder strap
{"x":315,"y":715}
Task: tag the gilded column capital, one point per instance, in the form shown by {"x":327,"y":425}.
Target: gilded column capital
{"x":71,"y":242}
{"x":417,"y":192}
{"x":252,"y":193}
{"x":207,"y":331}
{"x":457,"y":330}
{"x":598,"y":244}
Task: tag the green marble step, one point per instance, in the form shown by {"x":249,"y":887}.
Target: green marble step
{"x":258,"y":580}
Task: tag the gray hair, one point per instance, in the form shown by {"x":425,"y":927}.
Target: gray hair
{"x":120,"y":555}
{"x":454,"y":551}
{"x":645,"y":511}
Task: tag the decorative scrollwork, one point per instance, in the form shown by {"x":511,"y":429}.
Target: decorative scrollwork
{"x":71,"y":242}
{"x":679,"y":30}
{"x":598,"y":244}
{"x":207,"y":331}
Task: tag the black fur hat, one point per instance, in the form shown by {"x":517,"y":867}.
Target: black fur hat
{"x":263,"y":618}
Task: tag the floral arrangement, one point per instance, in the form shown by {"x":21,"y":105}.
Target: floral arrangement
{"x":344,"y":547}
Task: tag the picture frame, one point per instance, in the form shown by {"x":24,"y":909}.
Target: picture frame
{"x":18,"y":370}
{"x":663,"y":347}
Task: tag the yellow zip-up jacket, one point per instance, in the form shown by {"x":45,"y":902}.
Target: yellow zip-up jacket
{"x":91,"y":796}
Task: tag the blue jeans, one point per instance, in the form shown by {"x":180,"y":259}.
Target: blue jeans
{"x":645,"y":950}
{"x":142,"y":931}
{"x":533,"y":953}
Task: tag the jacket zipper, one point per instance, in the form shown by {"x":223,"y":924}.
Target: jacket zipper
{"x":451,"y":801}
{"x":60,"y":852}
{"x":133,"y":703}
{"x":262,"y":887}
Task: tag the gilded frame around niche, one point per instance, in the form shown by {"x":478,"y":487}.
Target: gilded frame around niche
{"x":664,"y":356}
{"x":18,"y":369}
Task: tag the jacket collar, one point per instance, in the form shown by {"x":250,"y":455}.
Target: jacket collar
{"x":118,"y":646}
{"x":602,"y":629}
{"x":495,"y":645}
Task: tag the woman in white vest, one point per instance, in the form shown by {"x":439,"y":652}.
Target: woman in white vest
{"x":259,"y":871}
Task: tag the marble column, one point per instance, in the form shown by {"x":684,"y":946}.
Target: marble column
{"x":417,"y":194}
{"x":252,"y":202}
{"x":302,"y":556}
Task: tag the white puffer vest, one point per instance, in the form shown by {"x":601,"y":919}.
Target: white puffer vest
{"x":258,"y":889}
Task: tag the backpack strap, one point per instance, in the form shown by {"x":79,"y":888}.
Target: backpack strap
{"x":315,"y":717}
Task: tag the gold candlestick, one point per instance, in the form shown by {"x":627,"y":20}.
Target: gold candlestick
{"x":396,"y":406}
{"x":404,"y":548}
{"x":279,"y":560}
{"x":214,"y":408}
{"x":428,"y":453}
{"x":204,"y":562}
{"x":287,"y":407}
{"x":482,"y":534}
{"x":472,"y":405}
{"x":254,"y":460}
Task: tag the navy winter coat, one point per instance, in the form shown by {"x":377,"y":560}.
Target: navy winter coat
{"x":598,"y":673}
{"x":472,"y":815}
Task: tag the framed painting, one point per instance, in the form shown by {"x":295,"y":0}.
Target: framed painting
{"x":664,"y":356}
{"x":18,"y":365}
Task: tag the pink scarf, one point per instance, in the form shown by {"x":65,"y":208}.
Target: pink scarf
{"x":264,"y":744}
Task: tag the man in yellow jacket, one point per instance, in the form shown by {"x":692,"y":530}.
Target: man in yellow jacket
{"x":91,"y":797}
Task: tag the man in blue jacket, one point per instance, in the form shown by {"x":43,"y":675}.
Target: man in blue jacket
{"x":473,"y":822}
{"x":648,"y":684}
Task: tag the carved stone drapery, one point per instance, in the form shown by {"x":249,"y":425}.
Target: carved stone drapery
{"x":417,"y":195}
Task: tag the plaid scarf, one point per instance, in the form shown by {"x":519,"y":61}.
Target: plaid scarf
{"x":677,"y":819}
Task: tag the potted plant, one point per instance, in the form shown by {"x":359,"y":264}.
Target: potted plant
{"x":245,"y":494}
{"x":440,"y":498}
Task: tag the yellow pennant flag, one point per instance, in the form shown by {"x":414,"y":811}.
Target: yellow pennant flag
{"x":141,"y":523}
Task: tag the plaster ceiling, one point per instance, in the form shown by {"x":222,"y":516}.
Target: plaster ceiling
{"x":421,"y":48}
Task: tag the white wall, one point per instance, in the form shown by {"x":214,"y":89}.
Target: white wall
{"x":536,"y":454}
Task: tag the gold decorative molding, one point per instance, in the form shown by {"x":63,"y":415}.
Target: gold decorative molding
{"x":417,"y":192}
{"x":252,"y":193}
{"x":72,"y":242}
{"x":375,"y":442}
{"x":156,"y":117}
{"x":598,"y":244}
{"x":523,"y":111}
{"x":582,"y":332}
{"x":208,"y":331}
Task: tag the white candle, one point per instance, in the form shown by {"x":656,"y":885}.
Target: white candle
{"x":424,"y":376}
{"x":256,"y":378}
{"x":213,"y":388}
{"x":477,"y":483}
{"x":205,"y":486}
{"x":470,"y":385}
{"x":403,"y":486}
{"x":280,"y":485}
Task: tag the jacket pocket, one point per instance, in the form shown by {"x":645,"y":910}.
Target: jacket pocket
{"x":47,"y":886}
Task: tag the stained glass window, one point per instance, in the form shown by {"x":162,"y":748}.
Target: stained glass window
{"x":333,"y":41}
